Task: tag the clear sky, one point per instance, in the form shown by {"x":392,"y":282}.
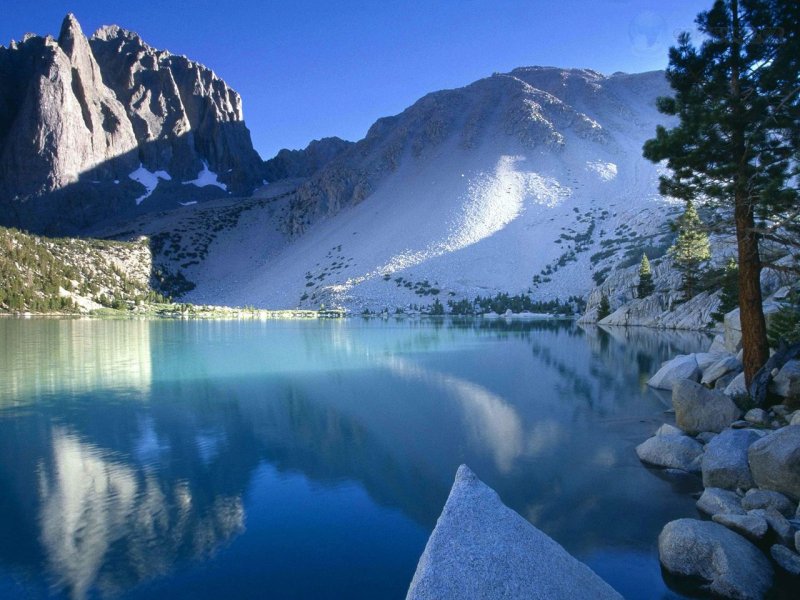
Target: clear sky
{"x":312,"y":68}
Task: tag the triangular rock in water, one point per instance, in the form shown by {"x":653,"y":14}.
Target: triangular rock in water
{"x":480,"y":548}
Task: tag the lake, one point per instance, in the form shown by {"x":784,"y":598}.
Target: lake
{"x":311,"y":459}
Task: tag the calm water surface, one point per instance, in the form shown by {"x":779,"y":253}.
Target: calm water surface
{"x":161,"y":459}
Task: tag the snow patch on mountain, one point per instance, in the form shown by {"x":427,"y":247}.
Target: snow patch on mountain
{"x":149,"y":179}
{"x":207,"y":177}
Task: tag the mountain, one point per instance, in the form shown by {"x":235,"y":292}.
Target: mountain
{"x":524,"y":182}
{"x":108,"y":126}
{"x":289,"y":164}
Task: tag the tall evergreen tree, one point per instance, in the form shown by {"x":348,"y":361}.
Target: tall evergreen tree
{"x":646,"y":286}
{"x":604,"y":308}
{"x":691,"y":250}
{"x":736,"y":144}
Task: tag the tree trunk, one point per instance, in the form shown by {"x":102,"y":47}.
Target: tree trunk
{"x":751,"y":311}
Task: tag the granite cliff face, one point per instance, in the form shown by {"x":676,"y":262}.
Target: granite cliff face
{"x":78,"y":116}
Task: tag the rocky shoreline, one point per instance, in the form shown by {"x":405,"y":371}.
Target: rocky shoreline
{"x":749,"y":461}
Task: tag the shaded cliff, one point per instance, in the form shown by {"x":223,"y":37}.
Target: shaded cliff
{"x":89,"y":128}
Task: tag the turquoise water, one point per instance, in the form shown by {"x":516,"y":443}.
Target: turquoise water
{"x":293,"y":459}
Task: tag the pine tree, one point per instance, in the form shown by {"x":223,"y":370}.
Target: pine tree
{"x":604,"y":308}
{"x":738,"y":134}
{"x":691,"y":250}
{"x":646,"y":286}
{"x":729,"y":284}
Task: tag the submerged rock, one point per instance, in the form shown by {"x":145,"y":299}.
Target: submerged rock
{"x":480,"y":548}
{"x":724,"y":462}
{"x":680,"y":367}
{"x":726,"y":563}
{"x":699,"y":409}
{"x":671,"y":451}
{"x":775,"y":461}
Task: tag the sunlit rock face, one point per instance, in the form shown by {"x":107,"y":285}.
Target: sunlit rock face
{"x":78,"y":116}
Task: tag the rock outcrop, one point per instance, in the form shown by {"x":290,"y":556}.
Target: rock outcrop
{"x":699,"y":409}
{"x":775,"y":461}
{"x":480,"y":548}
{"x":78,"y":116}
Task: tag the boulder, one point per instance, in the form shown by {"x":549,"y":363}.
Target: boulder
{"x":752,"y":527}
{"x":756,"y":498}
{"x":671,"y":451}
{"x":775,"y":461}
{"x":726,"y":563}
{"x":706,"y":359}
{"x":724,"y":463}
{"x":795,"y":418}
{"x":757,"y":416}
{"x":726,"y":364}
{"x":724,"y":381}
{"x":700,"y":409}
{"x":797,"y":540}
{"x":716,"y":501}
{"x":787,"y":560}
{"x":705,"y":436}
{"x":680,"y":367}
{"x":480,"y":548}
{"x":667,"y":429}
{"x":733,"y":327}
{"x":786,"y":383}
{"x":777,"y":523}
{"x":736,"y":387}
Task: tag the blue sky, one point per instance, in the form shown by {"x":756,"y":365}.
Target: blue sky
{"x":309,"y":68}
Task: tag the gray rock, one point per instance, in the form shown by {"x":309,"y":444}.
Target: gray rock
{"x":480,"y":548}
{"x":795,"y":420}
{"x":777,"y":523}
{"x":716,"y":501}
{"x":706,"y":359}
{"x":306,"y":162}
{"x":700,"y":409}
{"x":672,"y":451}
{"x":797,"y":540}
{"x":757,"y":416}
{"x":787,"y":560}
{"x":787,"y":382}
{"x":775,"y":461}
{"x":727,"y":563}
{"x":680,"y":367}
{"x":733,"y":326}
{"x":705,"y":437}
{"x":723,"y":382}
{"x":736,"y":387}
{"x":724,"y":462}
{"x":752,"y":527}
{"x":741,"y":424}
{"x":756,"y":498}
{"x":727,"y":364}
{"x":780,"y":410}
{"x":667,"y":429}
{"x":718,"y":345}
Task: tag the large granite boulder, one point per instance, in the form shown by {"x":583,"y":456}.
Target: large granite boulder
{"x":724,"y":461}
{"x":775,"y":461}
{"x":680,"y":367}
{"x":700,"y":409}
{"x":736,"y":387}
{"x":753,"y":527}
{"x":726,"y":563}
{"x":757,"y":498}
{"x":671,"y":451}
{"x":480,"y":548}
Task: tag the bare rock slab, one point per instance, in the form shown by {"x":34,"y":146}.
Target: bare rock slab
{"x":699,"y":409}
{"x":680,"y":367}
{"x":775,"y":461}
{"x":481,"y":549}
{"x":728,"y":564}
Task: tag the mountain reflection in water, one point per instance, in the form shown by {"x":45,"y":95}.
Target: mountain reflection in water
{"x":153,"y":458}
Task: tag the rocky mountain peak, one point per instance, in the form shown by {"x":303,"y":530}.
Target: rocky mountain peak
{"x":79,"y":116}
